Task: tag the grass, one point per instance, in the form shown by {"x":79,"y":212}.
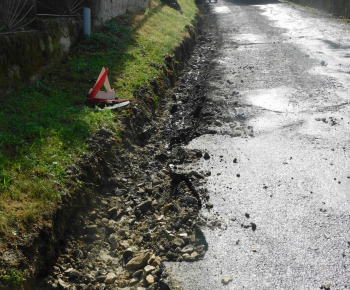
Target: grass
{"x":14,"y":278}
{"x":44,"y":127}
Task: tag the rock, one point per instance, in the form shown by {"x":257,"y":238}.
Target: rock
{"x":113,"y":242}
{"x":114,"y":212}
{"x":253,"y":226}
{"x":144,"y":206}
{"x":91,"y":229}
{"x":138,"y":273}
{"x":123,"y":283}
{"x":194,"y":255}
{"x":191,"y":199}
{"x":68,"y":270}
{"x":225,"y":280}
{"x":133,"y":281}
{"x":196,"y":174}
{"x":167,"y":207}
{"x":110,"y":278}
{"x":209,"y":204}
{"x":63,"y":284}
{"x":218,"y":123}
{"x":150,"y":260}
{"x":171,"y":256}
{"x":247,"y":215}
{"x":326,"y":286}
{"x":137,"y":262}
{"x":245,"y":225}
{"x":125,"y":243}
{"x":149,"y":188}
{"x":78,"y":254}
{"x":90,"y":278}
{"x":91,"y":238}
{"x":138,"y":240}
{"x":206,"y":156}
{"x":150,"y":279}
{"x":178,"y":242}
{"x":74,"y":275}
{"x":93,"y":215}
{"x":101,"y":278}
{"x":12,"y":258}
{"x":156,"y":180}
{"x":187,"y":249}
{"x":162,"y":156}
{"x":129,"y":253}
{"x":157,"y":262}
{"x":148,"y":269}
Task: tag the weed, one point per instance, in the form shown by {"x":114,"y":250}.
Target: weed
{"x":14,"y":278}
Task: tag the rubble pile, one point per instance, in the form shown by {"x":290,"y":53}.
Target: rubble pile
{"x":147,"y":219}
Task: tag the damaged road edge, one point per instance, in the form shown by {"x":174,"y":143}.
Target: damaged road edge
{"x":137,"y":208}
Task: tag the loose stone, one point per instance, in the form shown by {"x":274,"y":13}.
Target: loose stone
{"x":187,"y":249}
{"x":137,"y":262}
{"x":225,"y":280}
{"x":110,"y":278}
{"x":150,"y":279}
{"x":148,"y":269}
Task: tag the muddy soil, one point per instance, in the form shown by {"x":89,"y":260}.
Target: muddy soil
{"x":135,"y":206}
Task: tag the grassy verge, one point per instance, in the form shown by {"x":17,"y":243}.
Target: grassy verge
{"x":44,"y":127}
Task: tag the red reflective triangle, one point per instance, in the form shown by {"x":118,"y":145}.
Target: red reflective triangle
{"x":98,"y":85}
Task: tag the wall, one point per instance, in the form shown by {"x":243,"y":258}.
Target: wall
{"x":23,"y":56}
{"x":338,"y":7}
{"x":104,"y":10}
{"x":26,"y":55}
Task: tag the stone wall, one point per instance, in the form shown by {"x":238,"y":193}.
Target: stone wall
{"x":24,"y":55}
{"x":338,"y":7}
{"x":104,"y":10}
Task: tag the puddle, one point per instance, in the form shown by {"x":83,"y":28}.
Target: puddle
{"x":222,"y":10}
{"x":276,"y":99}
{"x":272,"y":122}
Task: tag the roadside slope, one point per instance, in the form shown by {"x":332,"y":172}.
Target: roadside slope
{"x":50,"y":170}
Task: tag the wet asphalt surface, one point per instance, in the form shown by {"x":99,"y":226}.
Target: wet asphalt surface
{"x":280,"y":176}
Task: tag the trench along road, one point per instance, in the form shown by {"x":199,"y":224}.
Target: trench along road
{"x":280,"y":176}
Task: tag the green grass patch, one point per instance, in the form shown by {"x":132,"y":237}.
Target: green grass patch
{"x":45,"y":126}
{"x":14,"y":278}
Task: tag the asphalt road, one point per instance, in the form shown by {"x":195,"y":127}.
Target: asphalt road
{"x":280,"y":176}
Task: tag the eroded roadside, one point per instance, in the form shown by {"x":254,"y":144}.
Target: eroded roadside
{"x":136,"y":208}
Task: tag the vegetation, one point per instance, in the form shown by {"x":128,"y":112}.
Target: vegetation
{"x":14,"y":278}
{"x":44,"y":127}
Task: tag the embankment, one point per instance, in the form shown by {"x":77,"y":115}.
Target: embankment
{"x":94,"y":175}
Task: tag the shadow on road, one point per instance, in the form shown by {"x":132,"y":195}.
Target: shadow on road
{"x":252,"y":2}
